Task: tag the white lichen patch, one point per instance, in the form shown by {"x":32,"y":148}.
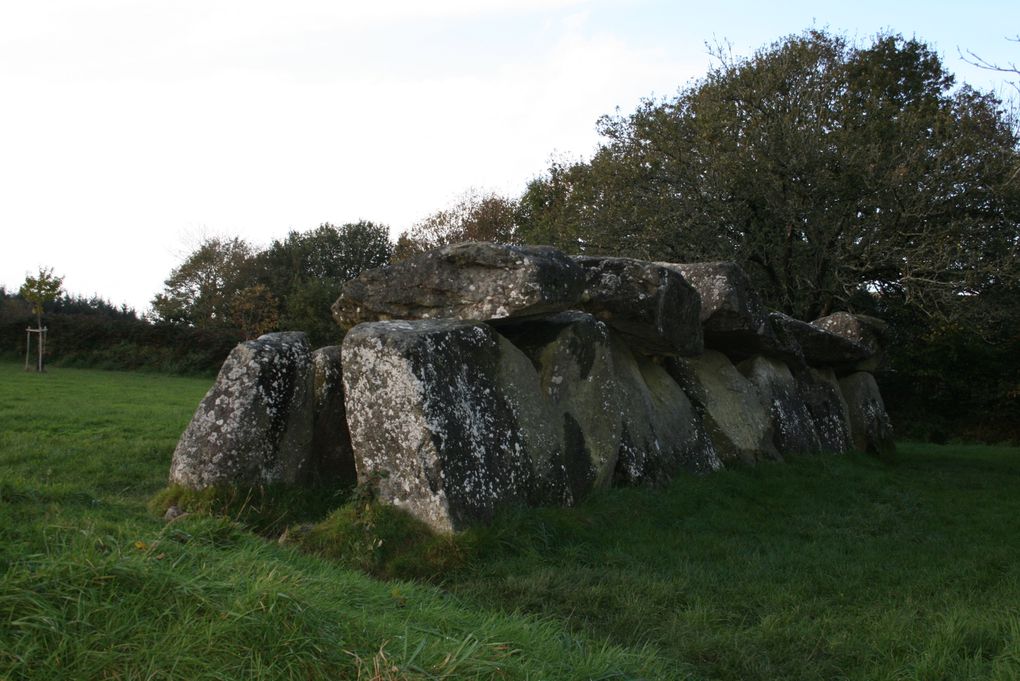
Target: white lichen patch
{"x":424,"y":408}
{"x":253,"y":426}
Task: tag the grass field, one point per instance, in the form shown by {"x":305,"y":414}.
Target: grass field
{"x":822,"y":568}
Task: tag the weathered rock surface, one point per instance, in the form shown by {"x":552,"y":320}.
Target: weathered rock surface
{"x":480,"y":375}
{"x":572,"y":355}
{"x":652,"y":306}
{"x":469,"y":281}
{"x":820,"y":347}
{"x":662,"y":433}
{"x":869,"y":332}
{"x":732,"y":316}
{"x":821,"y":392}
{"x":451,"y":413}
{"x":780,"y":342}
{"x":869,"y":422}
{"x":793,"y":429}
{"x":331,"y":439}
{"x":254,"y":426}
{"x":734,"y":412}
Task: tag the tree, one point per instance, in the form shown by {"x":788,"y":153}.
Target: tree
{"x":227,"y":284}
{"x":831,"y":171}
{"x":200,"y":292}
{"x":306,"y":271}
{"x":41,"y":289}
{"x":254,"y":311}
{"x":474,"y":216}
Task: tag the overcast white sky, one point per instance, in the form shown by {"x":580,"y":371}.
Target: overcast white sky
{"x":130,"y":129}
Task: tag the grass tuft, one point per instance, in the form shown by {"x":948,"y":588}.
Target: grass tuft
{"x":386,"y":542}
{"x":266,"y":510}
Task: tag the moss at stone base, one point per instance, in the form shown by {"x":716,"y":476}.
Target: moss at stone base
{"x":266,"y":510}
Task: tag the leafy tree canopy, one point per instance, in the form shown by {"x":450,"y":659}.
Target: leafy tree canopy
{"x":306,"y":271}
{"x":329,"y":252}
{"x":829,"y":170}
{"x":475,"y":216}
{"x":199,"y":292}
{"x":291,"y":284}
{"x":43,"y":288}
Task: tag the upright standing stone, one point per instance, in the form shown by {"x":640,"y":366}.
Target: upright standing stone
{"x":571,"y":353}
{"x":254,"y":426}
{"x":734,"y":412}
{"x":469,"y":281}
{"x":869,"y":422}
{"x":450,"y":414}
{"x":821,"y":392}
{"x":793,"y":429}
{"x":651,"y":306}
{"x":663,"y":433}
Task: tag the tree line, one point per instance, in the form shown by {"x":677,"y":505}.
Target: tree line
{"x":291,"y":284}
{"x":839,"y":175}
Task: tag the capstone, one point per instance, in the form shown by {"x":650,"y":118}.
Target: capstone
{"x":467,"y":281}
{"x":650,"y":305}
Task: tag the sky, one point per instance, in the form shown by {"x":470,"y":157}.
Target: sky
{"x":132,"y":129}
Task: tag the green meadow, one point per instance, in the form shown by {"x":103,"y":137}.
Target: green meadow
{"x":820,"y":568}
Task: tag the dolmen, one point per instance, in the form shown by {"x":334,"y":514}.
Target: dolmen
{"x":479,"y":376}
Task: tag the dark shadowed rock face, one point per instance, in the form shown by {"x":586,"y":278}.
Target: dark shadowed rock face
{"x":662,"y":432}
{"x":819,"y":347}
{"x":571,"y":353}
{"x":734,"y":412}
{"x":650,"y":305}
{"x":732,"y":316}
{"x":820,"y":391}
{"x":869,"y":332}
{"x":254,"y":426}
{"x":869,"y":423}
{"x":452,"y":414}
{"x":793,"y":429}
{"x":331,"y":440}
{"x":468,"y":281}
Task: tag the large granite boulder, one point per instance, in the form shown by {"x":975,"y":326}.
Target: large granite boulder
{"x":651,"y":306}
{"x":732,"y":316}
{"x":870,"y":333}
{"x":869,"y":423}
{"x":793,"y":429}
{"x":449,"y":417}
{"x":331,"y":439}
{"x":820,"y":391}
{"x":734,"y":412}
{"x":469,"y":281}
{"x":819,"y":347}
{"x":572,"y":355}
{"x":254,"y":426}
{"x":662,"y":433}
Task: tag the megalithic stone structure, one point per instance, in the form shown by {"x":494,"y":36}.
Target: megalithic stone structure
{"x":480,"y":376}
